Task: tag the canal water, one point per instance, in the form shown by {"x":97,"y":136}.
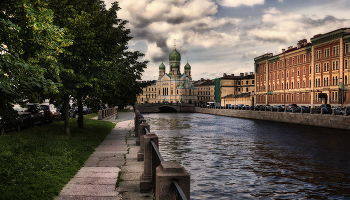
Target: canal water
{"x":231,"y":158}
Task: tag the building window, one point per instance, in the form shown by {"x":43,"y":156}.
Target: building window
{"x":298,"y":59}
{"x":309,"y":83}
{"x":292,"y":98}
{"x":287,"y":97}
{"x":298,"y":84}
{"x":287,"y":85}
{"x":327,"y":52}
{"x":333,"y":51}
{"x":347,"y":48}
{"x":293,"y":61}
{"x":282,"y":86}
{"x":298,"y":72}
{"x":304,"y":71}
{"x":282,"y":97}
{"x":346,"y":80}
{"x":298,"y":97}
{"x":303,"y":84}
{"x":346,"y":64}
{"x":336,"y":65}
{"x":287,"y":73}
{"x":292,"y":85}
{"x":333,"y":81}
{"x":303,"y":97}
{"x":292,"y":72}
{"x":304,"y":57}
{"x":310,"y":68}
{"x":337,"y":50}
{"x":278,"y":65}
{"x":325,"y":67}
{"x":336,"y":80}
{"x":327,"y":81}
{"x":282,"y":74}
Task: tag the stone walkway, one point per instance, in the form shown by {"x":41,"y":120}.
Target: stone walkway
{"x":115,"y":156}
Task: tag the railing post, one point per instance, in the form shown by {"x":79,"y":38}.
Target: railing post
{"x":99,"y":115}
{"x":142,"y":132}
{"x":166,"y":173}
{"x":146,"y":177}
{"x":140,"y":121}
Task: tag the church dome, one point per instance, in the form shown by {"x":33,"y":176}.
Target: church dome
{"x":162,"y":66}
{"x":187,"y":66}
{"x":174,"y":55}
{"x":175,"y":65}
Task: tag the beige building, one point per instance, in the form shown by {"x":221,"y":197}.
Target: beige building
{"x":172,"y":87}
{"x":205,"y":91}
{"x":237,"y":89}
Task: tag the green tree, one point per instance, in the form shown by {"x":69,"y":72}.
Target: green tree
{"x":29,"y":46}
{"x":99,"y":59}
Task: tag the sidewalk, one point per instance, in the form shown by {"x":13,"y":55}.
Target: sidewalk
{"x":115,"y":156}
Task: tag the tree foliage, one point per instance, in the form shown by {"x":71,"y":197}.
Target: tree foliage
{"x":29,"y":45}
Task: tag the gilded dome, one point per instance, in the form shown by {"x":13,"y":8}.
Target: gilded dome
{"x":175,"y":65}
{"x":162,"y":66}
{"x":174,"y":55}
{"x":187,"y":66}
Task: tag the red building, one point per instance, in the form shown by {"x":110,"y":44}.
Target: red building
{"x":309,"y":74}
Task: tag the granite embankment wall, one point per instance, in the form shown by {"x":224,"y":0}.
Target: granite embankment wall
{"x":330,"y":121}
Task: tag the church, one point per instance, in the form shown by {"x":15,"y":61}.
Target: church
{"x":172,"y":87}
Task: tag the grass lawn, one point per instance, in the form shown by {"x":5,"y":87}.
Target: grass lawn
{"x":36,"y":163}
{"x":125,"y":110}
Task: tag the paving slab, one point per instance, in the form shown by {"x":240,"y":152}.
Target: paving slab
{"x":96,"y":180}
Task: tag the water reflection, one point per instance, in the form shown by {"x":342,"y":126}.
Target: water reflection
{"x":231,"y":158}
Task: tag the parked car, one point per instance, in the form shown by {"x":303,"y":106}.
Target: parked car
{"x":348,"y":110}
{"x":268,"y":107}
{"x":251,"y":107}
{"x":290,"y":107}
{"x":339,"y":110}
{"x":246,"y":107}
{"x":72,"y":113}
{"x":51,"y":113}
{"x":279,"y":108}
{"x":262,"y":107}
{"x":31,"y":114}
{"x":9,"y":125}
{"x":327,"y":109}
{"x":240,"y":106}
{"x":304,"y":108}
{"x":257,"y":107}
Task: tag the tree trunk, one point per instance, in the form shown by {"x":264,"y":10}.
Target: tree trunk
{"x":66,"y":117}
{"x":80,"y":114}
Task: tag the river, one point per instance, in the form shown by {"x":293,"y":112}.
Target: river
{"x":232,"y":158}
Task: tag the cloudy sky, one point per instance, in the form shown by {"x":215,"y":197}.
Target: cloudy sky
{"x":224,"y":36}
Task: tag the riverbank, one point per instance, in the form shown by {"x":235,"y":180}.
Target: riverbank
{"x":329,"y":121}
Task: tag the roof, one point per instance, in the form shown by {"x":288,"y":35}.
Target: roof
{"x":237,"y":77}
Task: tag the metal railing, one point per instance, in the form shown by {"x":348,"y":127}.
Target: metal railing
{"x":180,"y":195}
{"x":156,"y":160}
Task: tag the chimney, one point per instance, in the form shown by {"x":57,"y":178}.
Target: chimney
{"x":251,"y":73}
{"x":225,"y":75}
{"x":283,"y":50}
{"x":242,"y":74}
{"x":245,"y":74}
{"x":299,"y":45}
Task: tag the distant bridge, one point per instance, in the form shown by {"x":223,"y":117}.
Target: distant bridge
{"x":151,"y":108}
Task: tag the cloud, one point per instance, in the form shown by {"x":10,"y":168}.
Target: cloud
{"x":237,"y":3}
{"x":190,"y":22}
{"x":288,"y":27}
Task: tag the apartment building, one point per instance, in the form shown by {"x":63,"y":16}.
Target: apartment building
{"x":310,"y":74}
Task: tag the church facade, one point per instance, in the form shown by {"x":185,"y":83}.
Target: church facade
{"x":171,"y":87}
